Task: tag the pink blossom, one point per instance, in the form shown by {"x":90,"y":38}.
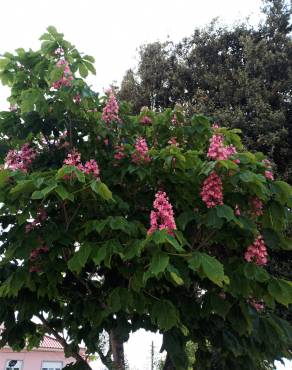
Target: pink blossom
{"x":141,"y":153}
{"x":40,"y":218}
{"x":237,"y":210}
{"x":174,"y":120}
{"x":77,"y":99}
{"x":162,"y":217}
{"x":215,"y":126}
{"x":212,"y":191}
{"x":257,"y":252}
{"x":269,"y":175}
{"x":173,"y":141}
{"x":59,"y":51}
{"x":120,"y":152}
{"x":111,"y":110}
{"x":257,"y":207}
{"x":74,"y":159}
{"x":268,"y":172}
{"x":258,"y":306}
{"x":146,"y":121}
{"x":217,"y":149}
{"x":91,"y":167}
{"x":20,"y":159}
{"x":66,"y":79}
{"x":34,"y":258}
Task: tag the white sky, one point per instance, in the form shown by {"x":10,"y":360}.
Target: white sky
{"x":111,"y":31}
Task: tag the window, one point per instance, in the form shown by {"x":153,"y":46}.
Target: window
{"x":13,"y":365}
{"x":49,"y":365}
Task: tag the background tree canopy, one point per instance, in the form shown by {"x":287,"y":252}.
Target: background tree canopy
{"x":240,"y":75}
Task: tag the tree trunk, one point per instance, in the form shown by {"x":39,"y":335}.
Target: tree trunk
{"x":118,"y":351}
{"x":168,"y":364}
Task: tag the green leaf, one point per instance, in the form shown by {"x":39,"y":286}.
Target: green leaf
{"x":47,"y":190}
{"x":225,"y":212}
{"x":213,"y":220}
{"x":171,"y":240}
{"x":100,"y":254}
{"x":274,"y":217}
{"x":281,"y":290}
{"x":83,"y":70}
{"x":283,"y":191}
{"x":38,"y":194}
{"x":63,"y":193}
{"x":68,"y":170}
{"x":89,"y":58}
{"x":213,"y":269}
{"x":228,"y":164}
{"x":101,"y":189}
{"x":158,"y":264}
{"x":23,"y":187}
{"x":209,"y":266}
{"x":164,"y":314}
{"x":4,"y":177}
{"x":254,"y":272}
{"x":79,"y":259}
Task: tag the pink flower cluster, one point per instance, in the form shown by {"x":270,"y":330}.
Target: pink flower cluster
{"x":217,"y":149}
{"x":257,"y":252}
{"x":173,"y":141}
{"x":145,"y":121}
{"x":257,"y":207}
{"x":41,"y":217}
{"x":90,"y":167}
{"x":20,"y":159}
{"x":59,"y":51}
{"x":258,"y":306}
{"x":77,"y":99}
{"x":111,"y":110}
{"x":237,"y":210}
{"x":74,"y":159}
{"x":120,"y":152}
{"x":212,"y":191}
{"x":35,"y":257}
{"x":141,"y":153}
{"x":66,"y":79}
{"x":268,"y":172}
{"x":162,"y":217}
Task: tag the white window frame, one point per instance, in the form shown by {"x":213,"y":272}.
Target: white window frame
{"x":61,"y":362}
{"x":13,"y":359}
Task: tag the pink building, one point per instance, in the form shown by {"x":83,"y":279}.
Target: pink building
{"x":49,"y":356}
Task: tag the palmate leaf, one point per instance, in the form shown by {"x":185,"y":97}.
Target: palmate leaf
{"x":209,"y":267}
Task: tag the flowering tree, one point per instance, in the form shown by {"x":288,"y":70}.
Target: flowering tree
{"x":112,"y":222}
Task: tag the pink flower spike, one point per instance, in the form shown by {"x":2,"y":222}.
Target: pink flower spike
{"x":20,"y":159}
{"x":111,"y":110}
{"x":257,"y":252}
{"x":162,"y":217}
{"x":217,"y":149}
{"x":212,"y":191}
{"x":91,"y":167}
{"x":269,"y":175}
{"x":141,"y":153}
{"x":145,"y":121}
{"x":257,"y":207}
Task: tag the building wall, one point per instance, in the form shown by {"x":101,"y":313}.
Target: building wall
{"x":32,"y":360}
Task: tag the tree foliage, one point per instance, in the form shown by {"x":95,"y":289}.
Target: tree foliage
{"x":239,"y":75}
{"x":81,"y":182}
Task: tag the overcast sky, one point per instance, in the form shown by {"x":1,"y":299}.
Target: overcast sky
{"x":111,"y":31}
